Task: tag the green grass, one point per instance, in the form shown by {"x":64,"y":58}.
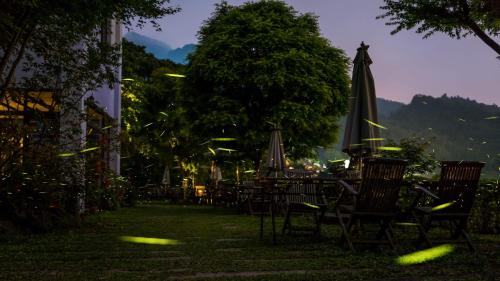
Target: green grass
{"x":220,"y":244}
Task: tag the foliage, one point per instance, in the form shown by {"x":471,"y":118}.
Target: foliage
{"x":485,"y":216}
{"x":63,"y":48}
{"x":156,"y":131}
{"x":61,"y":39}
{"x":415,"y":150}
{"x":263,"y":64}
{"x":456,"y":18}
{"x":35,"y":194}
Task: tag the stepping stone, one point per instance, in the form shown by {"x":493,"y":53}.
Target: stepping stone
{"x":207,"y":275}
{"x":176,"y":270}
{"x":165,"y":252}
{"x":222,"y":240}
{"x":229,"y":250}
{"x":165,"y":259}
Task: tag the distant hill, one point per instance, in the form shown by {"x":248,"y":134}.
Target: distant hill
{"x":458,"y":128}
{"x":160,"y":49}
{"x":180,"y":55}
{"x":387,"y":107}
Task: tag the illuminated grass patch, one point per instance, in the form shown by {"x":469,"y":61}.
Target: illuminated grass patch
{"x":149,"y":240}
{"x":425,"y":255}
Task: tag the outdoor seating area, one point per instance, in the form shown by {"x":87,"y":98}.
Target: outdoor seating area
{"x":365,"y":210}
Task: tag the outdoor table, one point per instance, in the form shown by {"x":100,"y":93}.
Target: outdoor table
{"x":274,"y":192}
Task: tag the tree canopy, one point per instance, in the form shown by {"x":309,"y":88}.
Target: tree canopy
{"x":63,"y":39}
{"x":261,"y":65}
{"x":456,"y":18}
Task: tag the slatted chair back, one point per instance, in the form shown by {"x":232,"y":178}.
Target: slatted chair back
{"x":301,"y":190}
{"x":298,"y":173}
{"x":457,"y":185}
{"x":381,"y":181}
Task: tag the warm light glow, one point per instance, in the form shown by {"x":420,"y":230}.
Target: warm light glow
{"x":199,"y":190}
{"x":425,"y":255}
{"x":148,"y":240}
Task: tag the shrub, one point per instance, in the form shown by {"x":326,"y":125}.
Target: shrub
{"x":485,"y":216}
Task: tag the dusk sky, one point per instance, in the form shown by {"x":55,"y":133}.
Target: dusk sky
{"x":404,"y":64}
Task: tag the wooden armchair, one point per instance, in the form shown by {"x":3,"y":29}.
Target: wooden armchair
{"x":451,"y":200}
{"x":373,"y":202}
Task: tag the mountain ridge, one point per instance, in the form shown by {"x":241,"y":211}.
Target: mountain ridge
{"x":160,"y":49}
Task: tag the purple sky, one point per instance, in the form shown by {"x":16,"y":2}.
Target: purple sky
{"x":404,"y":64}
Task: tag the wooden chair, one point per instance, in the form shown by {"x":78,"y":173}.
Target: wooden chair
{"x":303,"y":196}
{"x":298,"y":173}
{"x":451,"y":201}
{"x":373,"y":202}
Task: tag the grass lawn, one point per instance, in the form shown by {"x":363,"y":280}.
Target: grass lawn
{"x":220,"y":244}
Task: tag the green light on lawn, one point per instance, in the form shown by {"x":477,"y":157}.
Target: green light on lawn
{"x":425,"y":255}
{"x":149,"y":240}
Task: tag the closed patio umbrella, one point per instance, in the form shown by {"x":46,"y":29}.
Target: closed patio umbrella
{"x":275,"y":163}
{"x":276,"y":153}
{"x":362,"y":135}
{"x":215,"y":173}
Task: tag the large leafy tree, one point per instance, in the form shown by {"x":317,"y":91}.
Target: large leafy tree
{"x":263,"y":64}
{"x":456,"y":18}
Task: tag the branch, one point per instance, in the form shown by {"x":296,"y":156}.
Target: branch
{"x":483,"y":36}
{"x":20,"y":55}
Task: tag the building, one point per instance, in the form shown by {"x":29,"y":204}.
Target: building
{"x":97,"y":115}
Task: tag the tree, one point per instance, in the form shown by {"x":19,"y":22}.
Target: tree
{"x":154,"y":118}
{"x":456,"y":18}
{"x":260,"y":65}
{"x":415,"y":150}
